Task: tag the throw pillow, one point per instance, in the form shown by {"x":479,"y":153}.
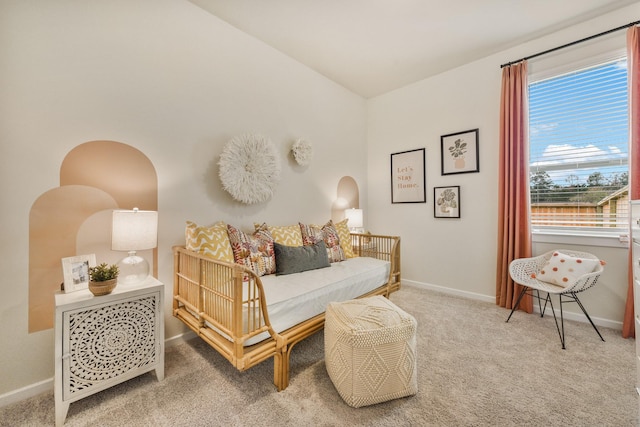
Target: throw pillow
{"x":255,"y":252}
{"x":327,"y":233}
{"x":345,"y":238}
{"x":563,"y":269}
{"x":311,"y":234}
{"x":210,"y":241}
{"x":296,"y":259}
{"x":285,"y":235}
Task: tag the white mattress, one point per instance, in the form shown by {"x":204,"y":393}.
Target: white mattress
{"x":294,"y":298}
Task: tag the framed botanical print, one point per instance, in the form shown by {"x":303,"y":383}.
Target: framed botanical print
{"x":459,"y":152}
{"x":446,"y":202}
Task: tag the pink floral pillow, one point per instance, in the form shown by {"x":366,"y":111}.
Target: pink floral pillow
{"x":312,"y":234}
{"x":253,"y":251}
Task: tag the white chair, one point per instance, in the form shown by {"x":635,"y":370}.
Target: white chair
{"x":525,"y":271}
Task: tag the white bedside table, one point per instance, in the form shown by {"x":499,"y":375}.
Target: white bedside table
{"x":105,"y":340}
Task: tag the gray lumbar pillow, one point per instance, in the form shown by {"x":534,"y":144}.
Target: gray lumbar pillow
{"x":296,"y":259}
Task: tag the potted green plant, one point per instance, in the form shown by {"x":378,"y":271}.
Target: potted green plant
{"x":103,"y":278}
{"x":457,"y":151}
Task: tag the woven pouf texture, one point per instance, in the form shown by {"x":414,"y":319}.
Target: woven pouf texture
{"x":370,"y":350}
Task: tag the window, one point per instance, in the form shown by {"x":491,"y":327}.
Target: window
{"x":578,"y":133}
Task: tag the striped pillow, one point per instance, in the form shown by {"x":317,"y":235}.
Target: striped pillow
{"x":345,"y":238}
{"x":211,"y":241}
{"x":288,"y":235}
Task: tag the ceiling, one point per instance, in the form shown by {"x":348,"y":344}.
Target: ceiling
{"x":375,"y":46}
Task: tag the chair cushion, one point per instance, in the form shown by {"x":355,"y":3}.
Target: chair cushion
{"x":563,"y":269}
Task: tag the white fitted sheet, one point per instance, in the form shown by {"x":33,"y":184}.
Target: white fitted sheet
{"x":294,"y":298}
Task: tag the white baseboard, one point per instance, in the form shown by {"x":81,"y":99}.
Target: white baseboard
{"x":47,"y":385}
{"x":179,"y":339}
{"x":26,"y":392}
{"x":578,"y":317}
{"x":449,"y":291}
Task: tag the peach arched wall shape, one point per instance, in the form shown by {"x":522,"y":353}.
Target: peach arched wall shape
{"x":348,"y":196}
{"x":119,"y":169}
{"x":94,"y":176}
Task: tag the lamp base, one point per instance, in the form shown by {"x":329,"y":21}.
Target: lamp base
{"x":133,"y":269}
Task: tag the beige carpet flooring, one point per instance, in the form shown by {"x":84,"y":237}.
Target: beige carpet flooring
{"x":473,"y":370}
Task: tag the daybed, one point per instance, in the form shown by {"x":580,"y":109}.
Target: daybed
{"x":246,"y":317}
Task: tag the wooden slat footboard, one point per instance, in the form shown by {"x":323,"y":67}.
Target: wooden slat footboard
{"x":212,"y":299}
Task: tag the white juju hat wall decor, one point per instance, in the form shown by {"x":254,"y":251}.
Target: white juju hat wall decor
{"x":249,"y":168}
{"x":302,"y":152}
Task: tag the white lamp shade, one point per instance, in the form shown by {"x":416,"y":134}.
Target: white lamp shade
{"x":134,"y":230}
{"x":354,"y":218}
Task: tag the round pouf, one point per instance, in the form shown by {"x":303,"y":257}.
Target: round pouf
{"x":370,"y":350}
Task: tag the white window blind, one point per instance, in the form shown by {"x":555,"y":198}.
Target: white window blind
{"x":578,"y":133}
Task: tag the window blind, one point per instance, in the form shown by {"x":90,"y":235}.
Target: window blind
{"x":578,"y":133}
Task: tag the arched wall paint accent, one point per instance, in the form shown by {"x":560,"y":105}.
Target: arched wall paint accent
{"x":119,"y":169}
{"x":348,"y":196}
{"x":95,"y":176}
{"x":54,"y":220}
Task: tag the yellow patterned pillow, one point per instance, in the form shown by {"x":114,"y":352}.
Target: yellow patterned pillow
{"x":345,"y":238}
{"x":289,"y":235}
{"x":210,"y":241}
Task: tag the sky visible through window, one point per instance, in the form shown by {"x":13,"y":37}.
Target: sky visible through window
{"x":578,"y":131}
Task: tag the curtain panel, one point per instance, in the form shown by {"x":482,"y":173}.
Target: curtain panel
{"x":514,"y":232}
{"x":633,"y":61}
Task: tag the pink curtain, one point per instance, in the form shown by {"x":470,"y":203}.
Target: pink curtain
{"x":633,"y":60}
{"x":514,"y":234}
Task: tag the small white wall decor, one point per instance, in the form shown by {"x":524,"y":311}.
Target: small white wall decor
{"x":249,"y":168}
{"x":302,"y":151}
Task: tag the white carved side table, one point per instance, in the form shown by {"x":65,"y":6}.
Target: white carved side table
{"x":105,"y":340}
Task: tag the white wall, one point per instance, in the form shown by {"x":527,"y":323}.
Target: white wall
{"x":176,"y":83}
{"x":460,"y":255}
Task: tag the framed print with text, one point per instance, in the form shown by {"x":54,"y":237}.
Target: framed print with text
{"x":408,"y":183}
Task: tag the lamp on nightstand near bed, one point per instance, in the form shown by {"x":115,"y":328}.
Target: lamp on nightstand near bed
{"x":354,"y":220}
{"x":134,"y":230}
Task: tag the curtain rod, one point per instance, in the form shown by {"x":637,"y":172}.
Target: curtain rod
{"x":571,"y":44}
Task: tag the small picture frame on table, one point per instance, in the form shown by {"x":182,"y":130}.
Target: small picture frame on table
{"x":446,"y":202}
{"x":459,"y":152}
{"x":76,"y":272}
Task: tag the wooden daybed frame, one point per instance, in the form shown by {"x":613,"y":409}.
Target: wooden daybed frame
{"x":210,"y":292}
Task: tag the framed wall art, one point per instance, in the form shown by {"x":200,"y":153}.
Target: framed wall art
{"x":459,"y":152}
{"x":446,"y":202}
{"x":76,"y":272}
{"x":408,"y":184}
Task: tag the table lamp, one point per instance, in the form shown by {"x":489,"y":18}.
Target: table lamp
{"x":134,"y":230}
{"x":354,"y":220}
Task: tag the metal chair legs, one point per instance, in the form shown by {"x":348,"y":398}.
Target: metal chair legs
{"x":537,"y":296}
{"x":571,"y":296}
{"x":574,"y":298}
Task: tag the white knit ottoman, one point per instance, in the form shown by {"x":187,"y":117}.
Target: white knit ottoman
{"x":370,"y":350}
